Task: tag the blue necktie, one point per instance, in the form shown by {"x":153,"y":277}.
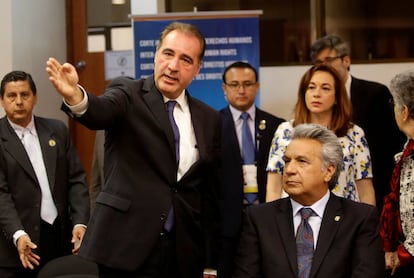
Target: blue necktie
{"x":170,"y":109}
{"x":248,"y":150}
{"x":304,"y":244}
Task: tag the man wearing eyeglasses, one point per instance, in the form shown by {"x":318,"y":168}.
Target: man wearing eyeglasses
{"x":371,"y":110}
{"x":243,"y":163}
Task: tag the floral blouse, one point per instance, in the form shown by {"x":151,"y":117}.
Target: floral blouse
{"x":357,"y":159}
{"x":407,"y":201}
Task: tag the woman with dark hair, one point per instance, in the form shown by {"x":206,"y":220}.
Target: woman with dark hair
{"x":322,"y":99}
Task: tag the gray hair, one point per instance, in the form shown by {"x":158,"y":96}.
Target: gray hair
{"x":332,"y":42}
{"x":402,"y":90}
{"x":331,"y":153}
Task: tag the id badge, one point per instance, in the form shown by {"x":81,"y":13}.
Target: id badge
{"x":250,"y":179}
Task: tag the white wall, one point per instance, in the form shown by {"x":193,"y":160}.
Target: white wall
{"x":6,"y":40}
{"x":31,"y":32}
{"x":279,"y":85}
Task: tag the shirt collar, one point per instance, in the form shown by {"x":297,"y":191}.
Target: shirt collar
{"x":20,"y":129}
{"x":181,"y":100}
{"x":318,"y":207}
{"x":236,"y":113}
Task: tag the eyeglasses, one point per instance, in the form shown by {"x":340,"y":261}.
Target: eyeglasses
{"x":328,"y":60}
{"x":13,"y":96}
{"x":236,"y":86}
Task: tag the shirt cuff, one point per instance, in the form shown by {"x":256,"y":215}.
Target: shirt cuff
{"x":80,"y":108}
{"x":17,"y":235}
{"x":80,"y":225}
{"x":209,"y":271}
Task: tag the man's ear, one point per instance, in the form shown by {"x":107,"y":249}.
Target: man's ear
{"x":406,"y":113}
{"x":329,"y":172}
{"x":347,"y":61}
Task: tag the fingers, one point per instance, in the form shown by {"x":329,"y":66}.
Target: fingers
{"x":30,"y":260}
{"x":52,"y":67}
{"x":388,"y":260}
{"x":77,"y":236}
{"x":394,"y":269}
{"x":26,"y":255}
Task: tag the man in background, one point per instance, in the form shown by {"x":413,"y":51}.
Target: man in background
{"x":371,"y":111}
{"x":44,"y":204}
{"x":243,"y":164}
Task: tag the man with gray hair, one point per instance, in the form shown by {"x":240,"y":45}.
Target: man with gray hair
{"x":370,"y":108}
{"x":311,"y":233}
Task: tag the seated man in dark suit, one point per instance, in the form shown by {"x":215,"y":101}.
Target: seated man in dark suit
{"x":312,"y":233}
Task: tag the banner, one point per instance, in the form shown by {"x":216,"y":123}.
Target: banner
{"x":230,"y":37}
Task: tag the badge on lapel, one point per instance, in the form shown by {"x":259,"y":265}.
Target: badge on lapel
{"x":262,"y":125}
{"x":52,"y":143}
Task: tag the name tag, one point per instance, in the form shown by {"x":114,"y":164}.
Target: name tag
{"x":250,"y":179}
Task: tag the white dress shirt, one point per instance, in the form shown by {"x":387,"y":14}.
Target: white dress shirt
{"x":315,"y":220}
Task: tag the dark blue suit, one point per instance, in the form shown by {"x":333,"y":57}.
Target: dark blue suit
{"x":373,"y":113}
{"x":20,"y":195}
{"x":348,"y":244}
{"x":141,"y":180}
{"x":231,"y":198}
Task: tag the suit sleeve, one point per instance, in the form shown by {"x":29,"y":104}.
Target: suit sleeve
{"x":97,"y":179}
{"x":368,"y":256}
{"x":247,"y":262}
{"x":78,"y":196}
{"x":9,"y":218}
{"x":210,"y":199}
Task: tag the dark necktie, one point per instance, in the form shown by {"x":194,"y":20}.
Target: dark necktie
{"x":248,"y":150}
{"x":170,"y":109}
{"x":304,"y":244}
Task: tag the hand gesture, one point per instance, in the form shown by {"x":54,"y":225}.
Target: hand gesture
{"x":65,"y":80}
{"x":24,"y":248}
{"x":77,"y":236}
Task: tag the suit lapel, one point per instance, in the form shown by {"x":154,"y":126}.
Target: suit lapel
{"x":284,"y":220}
{"x":260,"y":132}
{"x":330,"y":223}
{"x":49,"y":150}
{"x":13,"y":146}
{"x":155,"y":104}
{"x":229,"y":134}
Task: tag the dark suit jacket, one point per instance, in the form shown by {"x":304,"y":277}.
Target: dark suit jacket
{"x":231,"y":198}
{"x":348,"y":244}
{"x":373,"y":113}
{"x":97,"y":171}
{"x":141,"y":180}
{"x":20,"y":193}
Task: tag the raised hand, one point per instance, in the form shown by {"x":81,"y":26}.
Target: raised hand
{"x":65,"y":79}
